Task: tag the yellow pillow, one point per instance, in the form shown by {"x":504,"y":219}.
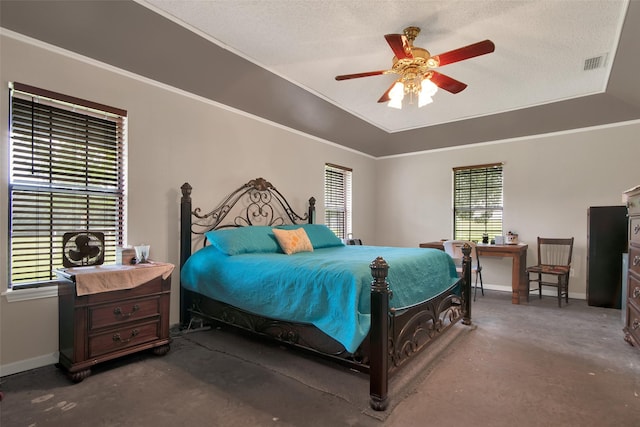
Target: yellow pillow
{"x":292,"y":241}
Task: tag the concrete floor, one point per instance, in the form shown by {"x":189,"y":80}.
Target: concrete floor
{"x":527,"y":365}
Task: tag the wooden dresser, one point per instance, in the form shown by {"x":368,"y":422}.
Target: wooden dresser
{"x":106,"y":325}
{"x":632,"y":323}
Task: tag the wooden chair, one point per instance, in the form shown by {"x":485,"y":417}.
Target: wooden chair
{"x":454,"y":249}
{"x":554,"y":259}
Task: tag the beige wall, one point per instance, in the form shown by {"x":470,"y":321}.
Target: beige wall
{"x":549,"y":183}
{"x":173,"y":138}
{"x":401,"y":201}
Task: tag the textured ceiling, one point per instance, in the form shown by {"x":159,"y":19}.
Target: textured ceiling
{"x":277,"y":60}
{"x":541,"y":48}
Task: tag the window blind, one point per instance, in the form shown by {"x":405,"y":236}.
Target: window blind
{"x":337,"y":199}
{"x":67,"y":174}
{"x":478,"y":201}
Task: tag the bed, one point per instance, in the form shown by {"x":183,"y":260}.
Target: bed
{"x":254,"y":263}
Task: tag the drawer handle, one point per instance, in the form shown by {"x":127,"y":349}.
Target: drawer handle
{"x":118,"y":311}
{"x":636,"y":261}
{"x":636,"y":292}
{"x":117,"y":338}
{"x":636,"y":324}
{"x":636,"y":229}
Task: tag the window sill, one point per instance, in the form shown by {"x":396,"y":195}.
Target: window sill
{"x":26,"y":294}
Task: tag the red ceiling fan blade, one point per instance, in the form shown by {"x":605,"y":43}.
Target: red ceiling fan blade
{"x":400,"y":45}
{"x":385,"y":96}
{"x":447,"y":83}
{"x":358,"y":75}
{"x":466,"y":52}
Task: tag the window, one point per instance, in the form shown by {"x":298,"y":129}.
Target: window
{"x":477,"y":201}
{"x":67,"y":174}
{"x":337,"y":199}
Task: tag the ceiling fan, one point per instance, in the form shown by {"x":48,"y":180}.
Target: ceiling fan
{"x":415,"y":66}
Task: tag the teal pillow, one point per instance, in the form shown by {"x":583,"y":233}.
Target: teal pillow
{"x":244,"y":240}
{"x":319,"y":234}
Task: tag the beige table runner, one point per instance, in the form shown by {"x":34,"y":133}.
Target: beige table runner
{"x":105,"y":278}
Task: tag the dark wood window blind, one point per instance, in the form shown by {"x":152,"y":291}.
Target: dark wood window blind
{"x":67,"y":174}
{"x":337,"y":199}
{"x":477,"y":201}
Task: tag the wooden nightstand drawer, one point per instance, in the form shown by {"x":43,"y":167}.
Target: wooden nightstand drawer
{"x":123,"y":311}
{"x":634,"y":230}
{"x":122,"y":338}
{"x":633,"y":202}
{"x":634,"y":259}
{"x":633,"y":323}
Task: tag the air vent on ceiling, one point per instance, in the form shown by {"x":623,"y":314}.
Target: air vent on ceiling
{"x":595,"y":62}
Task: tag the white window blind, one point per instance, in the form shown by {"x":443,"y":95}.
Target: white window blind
{"x":337,"y":199}
{"x":477,"y":201}
{"x":67,"y":174}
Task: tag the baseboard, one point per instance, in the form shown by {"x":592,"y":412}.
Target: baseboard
{"x":28,"y":364}
{"x":547,"y":292}
{"x":500,"y":288}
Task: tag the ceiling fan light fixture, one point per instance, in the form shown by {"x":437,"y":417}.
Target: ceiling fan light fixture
{"x":395,"y":103}
{"x":396,"y":95}
{"x":424,"y":99}
{"x":428,"y":87}
{"x":427,"y":90}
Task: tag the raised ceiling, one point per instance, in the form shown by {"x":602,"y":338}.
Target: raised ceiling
{"x":278,"y":59}
{"x":541,"y":49}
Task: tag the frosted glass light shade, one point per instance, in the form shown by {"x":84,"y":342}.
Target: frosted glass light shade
{"x":396,"y":94}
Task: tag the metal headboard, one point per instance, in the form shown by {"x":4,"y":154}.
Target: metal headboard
{"x":257,"y":202}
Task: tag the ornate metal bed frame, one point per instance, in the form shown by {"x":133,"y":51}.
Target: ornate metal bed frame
{"x":395,"y":336}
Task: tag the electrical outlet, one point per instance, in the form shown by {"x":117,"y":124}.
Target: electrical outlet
{"x":572,"y":272}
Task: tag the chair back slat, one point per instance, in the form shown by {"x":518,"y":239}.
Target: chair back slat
{"x":555,"y":251}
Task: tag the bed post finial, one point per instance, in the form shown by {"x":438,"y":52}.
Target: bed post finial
{"x":379,"y":335}
{"x":311,"y":215}
{"x":186,"y":192}
{"x":379,"y":271}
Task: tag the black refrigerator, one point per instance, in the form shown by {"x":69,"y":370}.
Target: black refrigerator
{"x":606,"y":242}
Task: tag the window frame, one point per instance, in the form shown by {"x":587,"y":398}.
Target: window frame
{"x":474,"y":180}
{"x":58,"y":173}
{"x":338,"y":200}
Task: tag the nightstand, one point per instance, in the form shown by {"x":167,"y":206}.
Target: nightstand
{"x":107,"y":312}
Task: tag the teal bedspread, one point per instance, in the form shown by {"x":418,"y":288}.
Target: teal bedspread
{"x":329,"y":287}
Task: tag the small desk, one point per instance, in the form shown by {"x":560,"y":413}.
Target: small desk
{"x":516,"y":252}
